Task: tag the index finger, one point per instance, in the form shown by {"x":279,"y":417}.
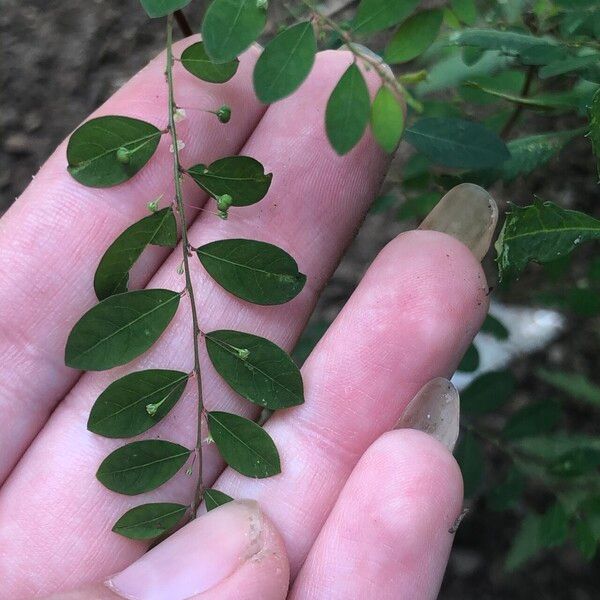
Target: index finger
{"x":53,"y":236}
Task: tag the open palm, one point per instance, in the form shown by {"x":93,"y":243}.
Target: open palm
{"x":360,"y":510}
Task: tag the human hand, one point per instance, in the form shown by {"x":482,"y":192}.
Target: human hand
{"x":360,"y":510}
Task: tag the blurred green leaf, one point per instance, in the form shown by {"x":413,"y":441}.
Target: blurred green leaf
{"x":254,"y":271}
{"x":141,"y":466}
{"x":487,"y":393}
{"x":387,"y":119}
{"x":418,"y":206}
{"x":574,"y":385}
{"x":504,"y":495}
{"x":494,"y":327}
{"x":541,"y":232}
{"x":195,"y":60}
{"x":242,"y":177}
{"x":575,"y":463}
{"x":470,"y":360}
{"x":348,"y":110}
{"x":413,"y":37}
{"x":119,"y":329}
{"x":112,"y":274}
{"x":533,"y":419}
{"x":509,"y":82}
{"x":471,"y":459}
{"x":214,"y":498}
{"x":109,"y":150}
{"x":465,"y":10}
{"x":507,"y":42}
{"x":594,"y":133}
{"x":526,"y":544}
{"x":554,"y":526}
{"x":149,"y":520}
{"x":136,"y":402}
{"x":285,"y":62}
{"x":255,"y":368}
{"x":584,"y":539}
{"x":245,"y":446}
{"x":569,"y":65}
{"x":230,"y":26}
{"x":161,"y":8}
{"x":457,"y":143}
{"x":375,"y":15}
{"x":382,"y":203}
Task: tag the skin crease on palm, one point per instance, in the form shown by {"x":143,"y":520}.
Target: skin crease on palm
{"x":361,"y":509}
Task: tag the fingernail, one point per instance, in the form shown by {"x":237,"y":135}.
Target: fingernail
{"x":468,"y":213}
{"x":436,"y":411}
{"x":195,"y":558}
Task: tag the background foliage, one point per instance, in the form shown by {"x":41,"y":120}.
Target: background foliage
{"x":557,"y":400}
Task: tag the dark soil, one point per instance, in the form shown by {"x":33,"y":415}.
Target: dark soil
{"x":61,"y":59}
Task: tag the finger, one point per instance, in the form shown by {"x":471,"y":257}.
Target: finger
{"x":409,"y":321}
{"x":326,"y":196}
{"x":53,"y":236}
{"x":387,"y":536}
{"x":231,"y":553}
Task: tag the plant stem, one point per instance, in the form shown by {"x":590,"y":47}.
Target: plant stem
{"x":519,"y":108}
{"x":177,"y":171}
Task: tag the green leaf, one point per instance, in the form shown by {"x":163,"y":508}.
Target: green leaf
{"x":471,"y":459}
{"x":541,"y":232}
{"x":526,"y":543}
{"x":577,"y":462}
{"x":119,"y":328}
{"x":487,"y":393}
{"x":136,"y":402}
{"x":348,"y":110}
{"x":457,"y":143}
{"x":215,"y":498}
{"x":504,"y":495}
{"x":594,"y":134}
{"x":285,"y":62}
{"x":112,"y":273}
{"x":242,"y":177}
{"x":554,"y":526}
{"x":546,"y":102}
{"x":507,"y":42}
{"x":149,"y":520}
{"x":495,"y":327}
{"x":254,"y":271}
{"x":418,"y":206}
{"x":195,"y":60}
{"x":161,"y":8}
{"x":109,"y":150}
{"x":375,"y":15}
{"x":539,"y":417}
{"x":230,"y":26}
{"x":255,"y":368}
{"x":141,"y":466}
{"x":465,"y":10}
{"x":387,"y":119}
{"x":245,"y":446}
{"x":470,"y":361}
{"x":574,"y":385}
{"x":569,"y":65}
{"x":414,"y":36}
{"x":506,"y":82}
{"x":585,"y":540}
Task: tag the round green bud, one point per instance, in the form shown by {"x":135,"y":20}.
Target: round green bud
{"x":224,"y":202}
{"x":123,"y":155}
{"x":224,"y":114}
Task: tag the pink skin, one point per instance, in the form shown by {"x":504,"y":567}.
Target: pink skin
{"x":410,"y":320}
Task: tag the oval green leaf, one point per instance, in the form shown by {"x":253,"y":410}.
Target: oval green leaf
{"x":375,"y":15}
{"x":136,"y":402}
{"x":112,"y":273}
{"x":254,"y":271}
{"x":387,"y":119}
{"x":255,"y":368}
{"x":161,"y":8}
{"x":414,"y":36}
{"x":244,"y":445}
{"x":230,"y":26}
{"x":457,"y":143}
{"x":119,"y":328}
{"x":93,"y":147}
{"x":348,"y":110}
{"x":215,"y":498}
{"x":285,"y":62}
{"x":195,"y":60}
{"x":141,"y":466}
{"x":242,"y":177}
{"x":465,"y":10}
{"x":149,"y":520}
